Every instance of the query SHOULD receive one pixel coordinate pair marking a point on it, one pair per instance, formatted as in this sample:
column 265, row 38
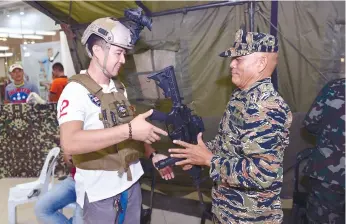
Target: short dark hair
column 58, row 66
column 95, row 40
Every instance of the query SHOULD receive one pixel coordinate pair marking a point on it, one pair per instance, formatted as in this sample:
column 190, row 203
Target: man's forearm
column 85, row 141
column 246, row 172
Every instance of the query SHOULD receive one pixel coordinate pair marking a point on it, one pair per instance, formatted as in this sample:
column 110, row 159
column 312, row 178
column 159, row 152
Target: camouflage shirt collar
column 254, row 86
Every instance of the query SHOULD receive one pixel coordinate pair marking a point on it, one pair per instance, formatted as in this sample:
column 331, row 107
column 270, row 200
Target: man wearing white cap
column 19, row 90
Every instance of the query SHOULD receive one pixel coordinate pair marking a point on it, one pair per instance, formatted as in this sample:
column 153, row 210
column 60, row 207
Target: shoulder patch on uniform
column 94, row 99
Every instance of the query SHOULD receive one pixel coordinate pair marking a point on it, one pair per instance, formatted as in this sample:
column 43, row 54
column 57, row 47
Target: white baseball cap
column 14, row 66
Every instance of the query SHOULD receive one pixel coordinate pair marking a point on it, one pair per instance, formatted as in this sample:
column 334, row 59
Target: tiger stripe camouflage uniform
column 247, row 166
column 248, row 155
column 326, row 165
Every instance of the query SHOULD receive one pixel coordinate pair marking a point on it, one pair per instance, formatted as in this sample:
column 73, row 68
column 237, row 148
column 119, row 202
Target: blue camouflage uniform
column 326, row 165
column 247, row 166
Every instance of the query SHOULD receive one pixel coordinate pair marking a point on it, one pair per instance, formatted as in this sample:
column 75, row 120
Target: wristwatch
column 152, row 155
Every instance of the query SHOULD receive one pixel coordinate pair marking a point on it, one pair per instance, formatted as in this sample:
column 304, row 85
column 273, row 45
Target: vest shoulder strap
column 88, row 83
column 92, row 86
column 119, row 85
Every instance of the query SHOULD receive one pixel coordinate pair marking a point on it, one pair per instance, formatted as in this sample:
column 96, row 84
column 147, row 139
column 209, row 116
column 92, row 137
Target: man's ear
column 262, row 63
column 96, row 50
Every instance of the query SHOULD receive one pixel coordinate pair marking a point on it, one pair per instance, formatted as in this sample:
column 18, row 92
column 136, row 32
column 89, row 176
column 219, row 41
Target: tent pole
column 251, row 9
column 181, row 10
column 199, row 7
column 274, row 21
column 69, row 13
column 145, row 9
column 74, row 41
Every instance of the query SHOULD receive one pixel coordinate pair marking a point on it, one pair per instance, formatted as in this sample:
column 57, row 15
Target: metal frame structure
column 175, row 11
column 273, row 21
column 251, row 11
column 199, row 7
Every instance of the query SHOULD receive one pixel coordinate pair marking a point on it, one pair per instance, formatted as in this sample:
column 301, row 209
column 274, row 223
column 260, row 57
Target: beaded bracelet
column 130, row 130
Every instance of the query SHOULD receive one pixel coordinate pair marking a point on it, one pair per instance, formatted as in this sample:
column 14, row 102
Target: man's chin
column 235, row 80
column 114, row 74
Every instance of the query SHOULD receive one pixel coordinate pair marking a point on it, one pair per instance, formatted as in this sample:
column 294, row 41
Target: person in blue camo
column 326, row 164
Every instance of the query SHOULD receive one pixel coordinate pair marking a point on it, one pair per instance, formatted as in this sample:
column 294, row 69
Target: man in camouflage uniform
column 246, row 156
column 326, row 165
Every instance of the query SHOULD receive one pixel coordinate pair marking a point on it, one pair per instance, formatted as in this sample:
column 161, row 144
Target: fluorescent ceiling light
column 48, row 33
column 27, row 54
column 16, row 36
column 4, row 48
column 16, row 31
column 26, row 31
column 35, row 37
column 8, row 54
column 21, row 11
column 5, row 30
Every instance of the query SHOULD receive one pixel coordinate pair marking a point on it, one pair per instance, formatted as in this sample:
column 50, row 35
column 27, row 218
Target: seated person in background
column 19, row 90
column 62, row 194
column 326, row 165
column 59, row 82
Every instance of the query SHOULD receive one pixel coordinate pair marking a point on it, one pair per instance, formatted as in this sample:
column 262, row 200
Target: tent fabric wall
column 198, row 34
column 309, row 26
column 201, row 35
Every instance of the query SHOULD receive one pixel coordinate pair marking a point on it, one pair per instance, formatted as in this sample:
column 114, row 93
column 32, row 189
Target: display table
column 27, row 133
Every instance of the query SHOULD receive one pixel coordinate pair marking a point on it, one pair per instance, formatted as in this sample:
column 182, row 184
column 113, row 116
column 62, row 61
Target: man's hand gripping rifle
column 180, row 123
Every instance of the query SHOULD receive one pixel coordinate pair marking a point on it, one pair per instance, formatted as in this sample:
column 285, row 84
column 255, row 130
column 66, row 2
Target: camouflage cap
column 250, row 42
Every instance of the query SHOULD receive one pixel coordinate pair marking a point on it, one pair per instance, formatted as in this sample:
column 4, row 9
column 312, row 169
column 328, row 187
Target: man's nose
column 232, row 64
column 122, row 59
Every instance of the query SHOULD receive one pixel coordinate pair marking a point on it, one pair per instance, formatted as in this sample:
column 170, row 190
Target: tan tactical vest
column 115, row 110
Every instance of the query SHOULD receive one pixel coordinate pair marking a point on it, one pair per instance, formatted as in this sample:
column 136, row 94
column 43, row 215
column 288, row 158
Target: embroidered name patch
column 94, row 99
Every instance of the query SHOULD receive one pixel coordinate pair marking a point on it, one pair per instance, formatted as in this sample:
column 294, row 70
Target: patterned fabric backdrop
column 27, row 133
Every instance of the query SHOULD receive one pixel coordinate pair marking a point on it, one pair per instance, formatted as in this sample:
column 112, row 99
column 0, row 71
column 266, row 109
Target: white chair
column 19, row 194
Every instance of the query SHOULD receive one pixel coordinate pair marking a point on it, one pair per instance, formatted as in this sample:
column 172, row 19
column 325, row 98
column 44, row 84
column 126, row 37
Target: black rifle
column 181, row 124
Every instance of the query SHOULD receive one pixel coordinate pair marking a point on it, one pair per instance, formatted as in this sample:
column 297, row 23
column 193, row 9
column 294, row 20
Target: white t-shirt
column 77, row 104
